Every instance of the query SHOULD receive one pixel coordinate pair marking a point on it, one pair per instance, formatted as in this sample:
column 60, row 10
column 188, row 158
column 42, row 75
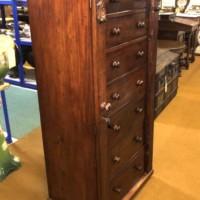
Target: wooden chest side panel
column 64, row 76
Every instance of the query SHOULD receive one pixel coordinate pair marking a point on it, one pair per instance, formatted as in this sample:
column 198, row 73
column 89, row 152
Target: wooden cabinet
column 95, row 73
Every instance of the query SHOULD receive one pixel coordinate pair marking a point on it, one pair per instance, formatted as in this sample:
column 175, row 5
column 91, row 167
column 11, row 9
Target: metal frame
column 6, row 118
column 14, row 3
column 21, row 82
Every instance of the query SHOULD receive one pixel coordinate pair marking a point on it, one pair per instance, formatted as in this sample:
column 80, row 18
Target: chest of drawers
column 95, row 73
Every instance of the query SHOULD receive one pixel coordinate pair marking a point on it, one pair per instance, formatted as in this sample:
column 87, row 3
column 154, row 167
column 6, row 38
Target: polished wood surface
column 125, row 28
column 128, row 88
column 124, row 59
column 87, row 108
column 128, row 176
column 113, row 6
column 131, row 126
column 64, row 76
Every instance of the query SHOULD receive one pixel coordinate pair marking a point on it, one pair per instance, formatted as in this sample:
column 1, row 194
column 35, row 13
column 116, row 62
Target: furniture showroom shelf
column 24, row 79
column 9, row 2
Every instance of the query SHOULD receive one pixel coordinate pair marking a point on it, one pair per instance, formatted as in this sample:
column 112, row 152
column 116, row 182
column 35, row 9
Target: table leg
column 194, row 35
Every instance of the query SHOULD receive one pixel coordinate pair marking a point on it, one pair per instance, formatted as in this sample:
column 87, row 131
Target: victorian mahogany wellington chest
column 95, row 70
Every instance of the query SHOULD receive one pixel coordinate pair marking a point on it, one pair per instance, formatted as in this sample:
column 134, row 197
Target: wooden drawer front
column 127, row 89
column 122, row 5
column 126, row 59
column 121, row 153
column 125, row 28
column 128, row 120
column 125, row 180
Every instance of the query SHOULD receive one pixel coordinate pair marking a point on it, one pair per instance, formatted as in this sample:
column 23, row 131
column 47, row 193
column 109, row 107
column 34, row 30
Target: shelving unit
column 22, row 81
column 6, row 118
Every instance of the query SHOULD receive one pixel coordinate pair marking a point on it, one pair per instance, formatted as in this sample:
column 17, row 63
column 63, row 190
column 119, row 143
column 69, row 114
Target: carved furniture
column 95, row 73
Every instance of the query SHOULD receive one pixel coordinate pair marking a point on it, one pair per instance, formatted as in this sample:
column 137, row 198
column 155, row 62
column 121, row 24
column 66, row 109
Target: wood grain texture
column 61, row 33
column 152, row 49
column 73, row 49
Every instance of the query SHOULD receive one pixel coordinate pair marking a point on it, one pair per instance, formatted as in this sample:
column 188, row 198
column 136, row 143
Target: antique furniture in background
column 167, row 73
column 170, row 28
column 95, row 69
column 176, row 47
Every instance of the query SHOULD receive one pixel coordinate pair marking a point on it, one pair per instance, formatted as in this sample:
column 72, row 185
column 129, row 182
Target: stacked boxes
column 167, row 73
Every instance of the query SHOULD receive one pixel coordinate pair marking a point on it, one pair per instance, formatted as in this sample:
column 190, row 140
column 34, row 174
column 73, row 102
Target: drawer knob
column 140, row 82
column 138, row 139
column 117, row 190
column 141, row 24
column 139, row 109
column 116, row 64
column 116, row 96
column 140, row 53
column 116, row 127
column 105, row 106
column 113, row 127
column 116, row 31
column 138, row 167
column 116, row 159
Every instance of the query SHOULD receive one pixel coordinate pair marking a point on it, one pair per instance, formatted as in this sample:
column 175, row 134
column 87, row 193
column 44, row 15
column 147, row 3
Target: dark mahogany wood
column 75, row 43
column 127, row 88
column 125, row 59
column 113, row 6
column 130, row 174
column 125, row 28
column 129, row 127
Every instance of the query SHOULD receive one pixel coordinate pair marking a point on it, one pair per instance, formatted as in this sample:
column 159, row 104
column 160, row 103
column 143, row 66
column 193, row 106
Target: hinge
column 90, row 3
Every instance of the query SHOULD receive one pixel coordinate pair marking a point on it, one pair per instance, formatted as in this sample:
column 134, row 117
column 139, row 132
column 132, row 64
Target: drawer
column 125, row 28
column 126, row 148
column 121, row 184
column 118, row 5
column 126, row 59
column 128, row 120
column 127, row 88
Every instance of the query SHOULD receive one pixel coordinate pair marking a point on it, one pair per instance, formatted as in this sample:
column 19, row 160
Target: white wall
column 172, row 2
column 195, row 2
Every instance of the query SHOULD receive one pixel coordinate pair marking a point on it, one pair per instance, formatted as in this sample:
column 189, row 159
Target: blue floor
column 23, row 111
